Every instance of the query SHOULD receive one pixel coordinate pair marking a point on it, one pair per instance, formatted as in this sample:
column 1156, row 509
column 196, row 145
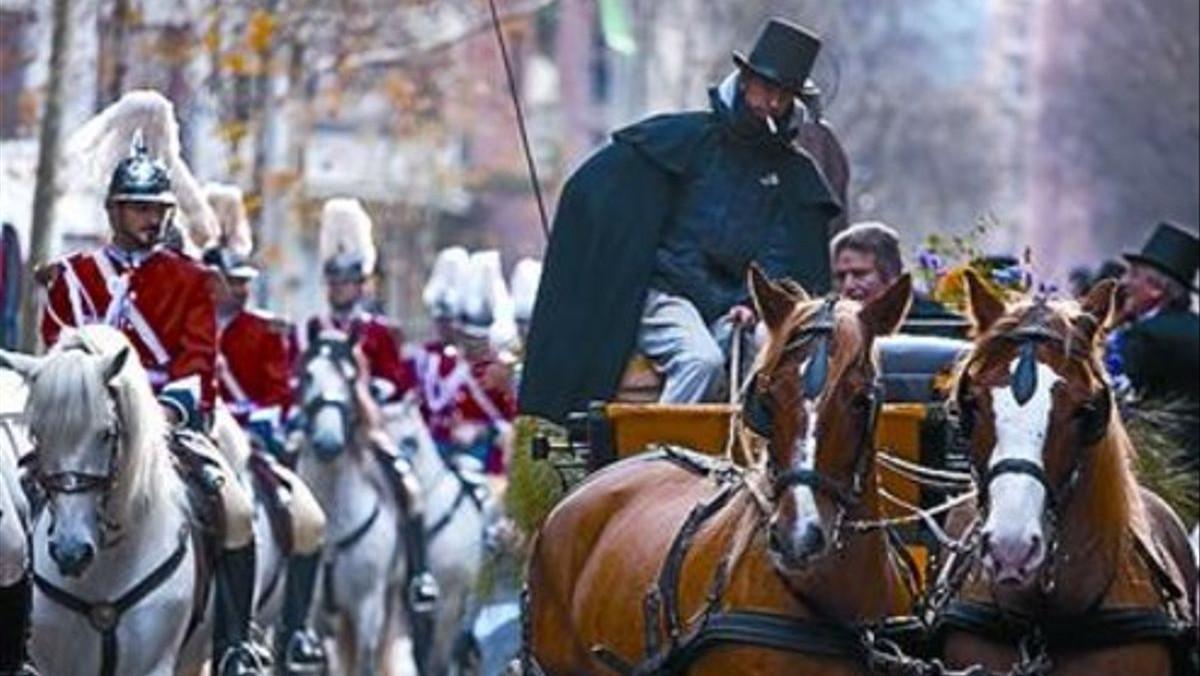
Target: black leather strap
column 1019, row 466
column 1095, row 630
column 776, row 632
column 105, row 616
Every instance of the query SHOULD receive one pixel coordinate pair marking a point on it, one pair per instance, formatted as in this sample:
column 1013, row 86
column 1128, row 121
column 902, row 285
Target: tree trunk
column 112, row 61
column 46, row 191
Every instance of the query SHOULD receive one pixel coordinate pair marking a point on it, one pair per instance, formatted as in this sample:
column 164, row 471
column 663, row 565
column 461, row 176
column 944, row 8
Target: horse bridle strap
column 105, row 616
column 1019, row 466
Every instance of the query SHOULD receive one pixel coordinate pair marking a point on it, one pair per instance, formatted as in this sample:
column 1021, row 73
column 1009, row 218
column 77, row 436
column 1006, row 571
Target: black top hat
column 784, row 54
column 1173, row 251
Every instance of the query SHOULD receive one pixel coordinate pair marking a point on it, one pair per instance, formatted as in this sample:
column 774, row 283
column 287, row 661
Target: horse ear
column 773, row 303
column 25, row 365
column 883, row 314
column 794, row 288
column 984, row 305
column 113, row 365
column 1100, row 304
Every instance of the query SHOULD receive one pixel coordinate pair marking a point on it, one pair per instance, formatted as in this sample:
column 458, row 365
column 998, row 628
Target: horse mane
column 67, row 400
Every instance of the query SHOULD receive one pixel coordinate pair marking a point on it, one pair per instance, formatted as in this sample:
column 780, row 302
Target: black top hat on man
column 1172, row 251
column 783, row 54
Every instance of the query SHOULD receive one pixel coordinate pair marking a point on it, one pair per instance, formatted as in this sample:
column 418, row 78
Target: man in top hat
column 253, row 374
column 655, row 232
column 348, row 255
column 1159, row 346
column 163, row 303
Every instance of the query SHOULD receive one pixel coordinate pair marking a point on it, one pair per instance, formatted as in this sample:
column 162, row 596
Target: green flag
column 614, row 21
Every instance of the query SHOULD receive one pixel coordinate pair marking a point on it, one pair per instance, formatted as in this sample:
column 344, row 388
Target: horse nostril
column 1035, row 548
column 85, row 556
column 813, row 539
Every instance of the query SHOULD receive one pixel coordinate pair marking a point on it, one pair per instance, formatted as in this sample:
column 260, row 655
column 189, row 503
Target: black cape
column 610, row 218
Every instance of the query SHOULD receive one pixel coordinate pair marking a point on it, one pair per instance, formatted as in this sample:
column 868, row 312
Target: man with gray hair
column 866, row 260
column 1161, row 345
column 1157, row 353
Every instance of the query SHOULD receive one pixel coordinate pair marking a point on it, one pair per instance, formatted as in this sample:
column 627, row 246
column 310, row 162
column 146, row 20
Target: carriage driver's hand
column 742, row 315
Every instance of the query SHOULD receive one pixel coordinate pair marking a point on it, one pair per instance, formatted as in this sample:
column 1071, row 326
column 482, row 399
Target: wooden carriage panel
column 702, row 427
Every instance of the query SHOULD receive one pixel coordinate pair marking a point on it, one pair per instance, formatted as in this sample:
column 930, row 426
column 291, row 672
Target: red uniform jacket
column 162, row 302
column 254, row 367
column 457, row 392
column 382, row 347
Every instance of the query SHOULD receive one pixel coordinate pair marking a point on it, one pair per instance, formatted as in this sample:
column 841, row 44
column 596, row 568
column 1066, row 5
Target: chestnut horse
column 1075, row 570
column 672, row 562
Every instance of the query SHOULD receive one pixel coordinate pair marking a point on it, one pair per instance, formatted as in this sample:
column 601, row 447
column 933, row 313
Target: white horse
column 14, row 522
column 114, row 561
column 364, row 562
column 14, row 509
column 454, row 528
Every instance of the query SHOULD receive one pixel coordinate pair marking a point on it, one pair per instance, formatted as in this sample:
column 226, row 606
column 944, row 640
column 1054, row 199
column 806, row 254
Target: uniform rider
column 348, row 260
column 253, row 373
column 163, row 303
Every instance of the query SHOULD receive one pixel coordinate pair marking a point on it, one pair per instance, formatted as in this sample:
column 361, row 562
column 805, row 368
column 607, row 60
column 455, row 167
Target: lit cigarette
column 771, row 126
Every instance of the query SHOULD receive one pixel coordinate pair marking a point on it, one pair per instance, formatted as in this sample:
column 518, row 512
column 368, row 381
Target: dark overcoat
column 610, row 218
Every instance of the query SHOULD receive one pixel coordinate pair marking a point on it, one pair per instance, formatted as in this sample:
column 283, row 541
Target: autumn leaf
column 259, row 31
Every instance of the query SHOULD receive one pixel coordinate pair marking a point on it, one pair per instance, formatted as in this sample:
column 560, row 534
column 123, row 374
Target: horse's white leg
column 368, row 621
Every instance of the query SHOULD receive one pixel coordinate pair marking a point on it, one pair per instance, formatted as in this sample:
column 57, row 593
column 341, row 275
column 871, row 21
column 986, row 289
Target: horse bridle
column 339, row 353
column 1093, row 422
column 758, row 416
column 70, row 482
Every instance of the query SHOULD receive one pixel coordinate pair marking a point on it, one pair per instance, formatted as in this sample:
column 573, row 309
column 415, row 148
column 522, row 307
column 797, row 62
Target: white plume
column 486, row 292
column 227, row 203
column 103, row 141
column 346, row 230
column 524, row 285
column 444, row 288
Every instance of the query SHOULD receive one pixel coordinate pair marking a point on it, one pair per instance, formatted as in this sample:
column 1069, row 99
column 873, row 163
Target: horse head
column 96, row 429
column 331, row 398
column 815, row 398
column 1033, row 402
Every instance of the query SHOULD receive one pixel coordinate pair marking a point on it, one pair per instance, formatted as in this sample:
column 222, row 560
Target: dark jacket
column 1162, row 355
column 611, row 218
column 738, row 205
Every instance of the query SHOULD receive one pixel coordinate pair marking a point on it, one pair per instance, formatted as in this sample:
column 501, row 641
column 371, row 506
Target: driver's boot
column 299, row 647
column 16, row 603
column 234, row 651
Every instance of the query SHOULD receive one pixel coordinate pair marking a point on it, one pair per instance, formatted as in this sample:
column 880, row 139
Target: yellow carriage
column 914, row 425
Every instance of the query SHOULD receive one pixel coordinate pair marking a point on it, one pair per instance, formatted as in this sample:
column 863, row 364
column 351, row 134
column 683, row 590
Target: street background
column 1068, row 126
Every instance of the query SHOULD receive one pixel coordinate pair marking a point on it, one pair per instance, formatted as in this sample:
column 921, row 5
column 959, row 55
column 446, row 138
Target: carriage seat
column 917, row 369
column 641, row 382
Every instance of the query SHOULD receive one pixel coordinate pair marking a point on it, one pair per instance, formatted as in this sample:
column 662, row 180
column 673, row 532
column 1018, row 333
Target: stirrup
column 423, row 593
column 244, row 659
column 304, row 654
